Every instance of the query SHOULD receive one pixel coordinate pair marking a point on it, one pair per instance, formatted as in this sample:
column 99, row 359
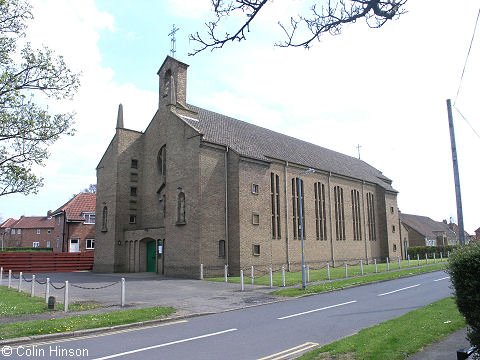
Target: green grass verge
column 397, row 338
column 80, row 322
column 294, row 278
column 355, row 281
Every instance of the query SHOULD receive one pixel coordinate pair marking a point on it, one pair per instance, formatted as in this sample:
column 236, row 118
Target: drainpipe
column 227, row 244
column 287, row 241
column 63, row 229
column 364, row 221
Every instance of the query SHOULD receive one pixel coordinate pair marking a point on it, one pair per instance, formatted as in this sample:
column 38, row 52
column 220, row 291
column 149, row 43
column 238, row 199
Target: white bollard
column 271, row 278
column 283, row 276
column 201, row 271
column 65, row 297
column 388, row 264
column 328, row 271
column 426, row 259
column 9, row 279
column 361, row 266
column 225, row 273
column 441, row 257
column 418, row 259
column 47, row 290
column 408, row 258
column 33, row 285
column 252, row 275
column 20, row 281
column 434, row 258
column 122, row 296
column 376, row 266
column 346, row 270
column 308, row 273
column 1, row 275
column 399, row 265
column 242, row 285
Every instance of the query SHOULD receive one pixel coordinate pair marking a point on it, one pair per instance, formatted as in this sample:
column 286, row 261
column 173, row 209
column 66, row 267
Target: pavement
column 189, row 297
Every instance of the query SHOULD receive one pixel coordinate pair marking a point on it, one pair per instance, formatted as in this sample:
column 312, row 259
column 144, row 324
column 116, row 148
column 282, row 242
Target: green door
column 151, row 256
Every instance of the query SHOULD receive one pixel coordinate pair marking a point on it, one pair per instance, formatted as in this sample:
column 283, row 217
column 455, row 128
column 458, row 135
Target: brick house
column 75, row 223
column 28, row 232
column 197, row 187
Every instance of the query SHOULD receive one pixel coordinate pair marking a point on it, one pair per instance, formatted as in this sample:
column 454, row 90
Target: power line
column 466, row 58
column 464, row 118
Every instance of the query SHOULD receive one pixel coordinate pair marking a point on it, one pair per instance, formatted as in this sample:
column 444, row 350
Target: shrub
column 430, row 250
column 464, row 270
column 26, row 249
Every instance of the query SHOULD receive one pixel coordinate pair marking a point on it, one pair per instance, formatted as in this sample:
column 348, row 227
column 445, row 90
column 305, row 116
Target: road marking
column 107, row 333
column 315, row 310
column 444, row 278
column 394, row 291
column 165, row 344
column 292, row 351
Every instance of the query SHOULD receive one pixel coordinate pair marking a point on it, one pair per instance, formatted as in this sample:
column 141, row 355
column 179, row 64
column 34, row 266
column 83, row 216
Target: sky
column 383, row 89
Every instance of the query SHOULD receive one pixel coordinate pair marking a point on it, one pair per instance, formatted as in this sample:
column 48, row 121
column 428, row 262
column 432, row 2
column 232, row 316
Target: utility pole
column 461, row 235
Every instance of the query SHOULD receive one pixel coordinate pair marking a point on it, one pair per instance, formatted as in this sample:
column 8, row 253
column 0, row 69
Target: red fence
column 37, row 262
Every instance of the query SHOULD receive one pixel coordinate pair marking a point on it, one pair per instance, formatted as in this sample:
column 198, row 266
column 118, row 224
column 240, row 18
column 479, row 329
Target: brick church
column 197, row 187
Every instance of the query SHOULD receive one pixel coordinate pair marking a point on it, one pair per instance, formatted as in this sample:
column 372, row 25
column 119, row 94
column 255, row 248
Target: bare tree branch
column 329, row 17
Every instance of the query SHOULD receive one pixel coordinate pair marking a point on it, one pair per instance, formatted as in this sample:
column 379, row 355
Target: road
column 262, row 332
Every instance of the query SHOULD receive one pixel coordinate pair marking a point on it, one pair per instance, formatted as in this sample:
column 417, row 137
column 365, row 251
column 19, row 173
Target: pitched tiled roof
column 259, row 143
column 81, row 203
column 424, row 225
column 8, row 223
column 34, row 222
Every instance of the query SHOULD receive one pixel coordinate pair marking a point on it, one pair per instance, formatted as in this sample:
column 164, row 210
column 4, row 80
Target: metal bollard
column 122, row 296
column 283, row 276
column 441, row 257
column 408, row 258
column 242, row 285
column 361, row 266
column 65, row 297
column 399, row 265
column 201, row 271
column 9, row 279
column 252, row 275
column 20, row 281
column 271, row 278
column 328, row 271
column 418, row 259
column 376, row 266
column 346, row 270
column 47, row 290
column 388, row 264
column 426, row 259
column 225, row 271
column 434, row 258
column 33, row 286
column 308, row 273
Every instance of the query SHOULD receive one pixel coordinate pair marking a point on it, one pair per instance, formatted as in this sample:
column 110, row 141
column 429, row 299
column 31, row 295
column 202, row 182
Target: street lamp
column 302, row 240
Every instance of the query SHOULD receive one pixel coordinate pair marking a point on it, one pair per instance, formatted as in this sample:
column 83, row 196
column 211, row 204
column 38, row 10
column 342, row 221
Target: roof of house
column 76, row 207
column 8, row 223
column 424, row 225
column 34, row 222
column 263, row 144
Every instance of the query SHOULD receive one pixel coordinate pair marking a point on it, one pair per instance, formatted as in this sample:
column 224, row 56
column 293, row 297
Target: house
column 423, row 231
column 29, row 232
column 197, row 187
column 75, row 223
column 477, row 234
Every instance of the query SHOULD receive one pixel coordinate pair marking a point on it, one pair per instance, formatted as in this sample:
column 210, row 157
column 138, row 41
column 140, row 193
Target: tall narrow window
column 357, row 227
column 221, row 248
column 298, row 208
column 162, row 160
column 275, row 203
column 181, row 208
column 104, row 218
column 320, row 211
column 372, row 235
column 339, row 213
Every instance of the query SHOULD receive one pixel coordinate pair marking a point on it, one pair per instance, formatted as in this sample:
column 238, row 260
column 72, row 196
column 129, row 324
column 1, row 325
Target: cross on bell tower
column 173, row 41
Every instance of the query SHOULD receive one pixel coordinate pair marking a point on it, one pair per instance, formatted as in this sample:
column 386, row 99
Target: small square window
column 134, row 164
column 36, row 244
column 393, row 228
column 38, row 231
column 394, row 247
column 90, row 244
column 255, row 189
column 19, row 231
column 133, row 219
column 256, row 250
column 391, row 209
column 133, row 191
column 255, row 219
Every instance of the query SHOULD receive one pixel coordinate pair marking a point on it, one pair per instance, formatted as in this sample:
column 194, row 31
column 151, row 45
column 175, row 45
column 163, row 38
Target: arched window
column 104, row 218
column 162, row 160
column 181, row 207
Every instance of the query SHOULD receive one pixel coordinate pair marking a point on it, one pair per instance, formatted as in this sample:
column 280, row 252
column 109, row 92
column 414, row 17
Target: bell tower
column 172, row 83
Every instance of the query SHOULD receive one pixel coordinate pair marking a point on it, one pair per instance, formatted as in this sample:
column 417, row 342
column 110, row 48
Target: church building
column 197, row 187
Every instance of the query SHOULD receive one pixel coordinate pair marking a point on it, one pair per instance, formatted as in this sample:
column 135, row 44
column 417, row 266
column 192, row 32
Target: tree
column 92, row 188
column 28, row 77
column 329, row 17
